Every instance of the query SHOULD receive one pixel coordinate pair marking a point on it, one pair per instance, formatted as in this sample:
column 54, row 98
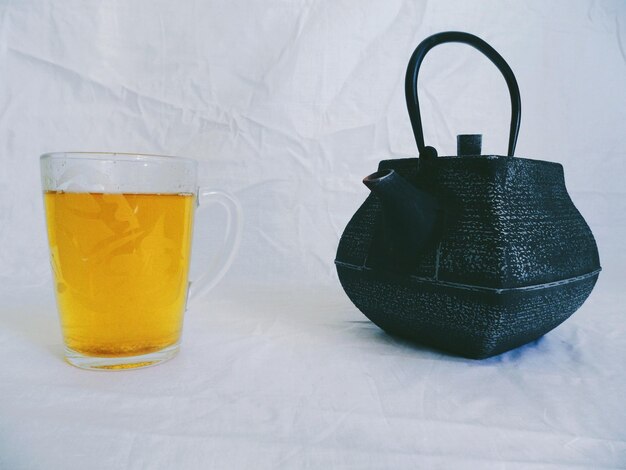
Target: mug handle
column 230, row 244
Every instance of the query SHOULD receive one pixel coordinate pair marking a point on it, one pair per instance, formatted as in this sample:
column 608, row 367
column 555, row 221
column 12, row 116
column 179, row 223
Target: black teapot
column 473, row 254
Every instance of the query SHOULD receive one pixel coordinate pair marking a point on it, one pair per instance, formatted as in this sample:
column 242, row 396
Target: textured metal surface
column 514, row 258
column 471, row 323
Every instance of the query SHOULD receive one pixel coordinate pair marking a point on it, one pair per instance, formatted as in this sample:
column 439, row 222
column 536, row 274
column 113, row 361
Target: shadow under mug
column 120, row 229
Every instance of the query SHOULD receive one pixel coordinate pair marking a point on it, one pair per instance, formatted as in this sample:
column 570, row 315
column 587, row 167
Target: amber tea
column 120, row 264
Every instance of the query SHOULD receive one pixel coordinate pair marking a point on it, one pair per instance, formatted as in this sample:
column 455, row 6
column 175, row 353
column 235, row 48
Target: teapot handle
column 410, row 84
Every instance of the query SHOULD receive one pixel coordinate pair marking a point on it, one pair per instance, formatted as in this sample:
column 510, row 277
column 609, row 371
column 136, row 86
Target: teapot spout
column 410, row 216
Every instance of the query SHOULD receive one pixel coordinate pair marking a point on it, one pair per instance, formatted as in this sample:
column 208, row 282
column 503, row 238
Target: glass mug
column 119, row 230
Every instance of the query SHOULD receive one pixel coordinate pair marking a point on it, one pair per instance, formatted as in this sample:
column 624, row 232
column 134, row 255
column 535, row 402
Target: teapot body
column 475, row 254
column 511, row 258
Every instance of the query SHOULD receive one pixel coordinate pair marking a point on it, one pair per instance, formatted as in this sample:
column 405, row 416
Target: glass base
column 120, row 363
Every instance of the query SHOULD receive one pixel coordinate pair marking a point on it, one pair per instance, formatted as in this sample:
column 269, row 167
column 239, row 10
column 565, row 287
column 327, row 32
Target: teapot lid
column 466, row 144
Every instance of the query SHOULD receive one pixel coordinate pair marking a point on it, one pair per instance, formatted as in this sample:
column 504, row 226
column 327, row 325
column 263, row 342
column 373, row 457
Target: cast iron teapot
column 473, row 254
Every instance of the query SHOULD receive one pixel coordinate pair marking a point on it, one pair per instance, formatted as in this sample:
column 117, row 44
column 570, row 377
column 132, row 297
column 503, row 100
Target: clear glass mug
column 120, row 229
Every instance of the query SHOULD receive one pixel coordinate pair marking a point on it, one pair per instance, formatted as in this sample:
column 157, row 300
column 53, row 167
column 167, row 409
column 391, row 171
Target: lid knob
column 468, row 144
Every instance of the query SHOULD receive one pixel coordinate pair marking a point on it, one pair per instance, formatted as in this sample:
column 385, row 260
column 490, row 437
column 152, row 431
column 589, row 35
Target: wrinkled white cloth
column 289, row 105
column 281, row 378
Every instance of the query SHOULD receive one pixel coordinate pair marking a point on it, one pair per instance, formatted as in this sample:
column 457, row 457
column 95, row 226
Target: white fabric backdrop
column 288, row 104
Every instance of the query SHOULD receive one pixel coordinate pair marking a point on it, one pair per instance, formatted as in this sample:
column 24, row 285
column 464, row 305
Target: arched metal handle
column 410, row 83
